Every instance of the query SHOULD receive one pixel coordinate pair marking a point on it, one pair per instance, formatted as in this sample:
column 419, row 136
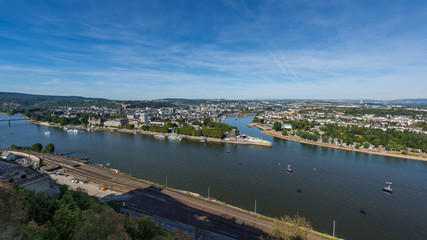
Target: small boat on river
column 72, row 131
column 175, row 138
column 387, row 189
column 159, row 137
column 289, row 169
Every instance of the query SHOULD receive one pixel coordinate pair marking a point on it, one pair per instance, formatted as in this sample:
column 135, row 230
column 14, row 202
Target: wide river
column 327, row 184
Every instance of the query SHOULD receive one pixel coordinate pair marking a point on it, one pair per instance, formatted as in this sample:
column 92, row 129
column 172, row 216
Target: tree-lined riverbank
column 258, row 142
column 278, row 134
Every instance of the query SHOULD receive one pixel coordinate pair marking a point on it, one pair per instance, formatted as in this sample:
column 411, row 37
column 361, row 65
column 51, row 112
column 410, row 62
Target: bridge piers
column 9, row 121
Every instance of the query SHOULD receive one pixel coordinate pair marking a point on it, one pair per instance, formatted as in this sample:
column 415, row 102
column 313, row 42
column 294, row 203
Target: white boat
column 47, row 133
column 159, row 137
column 72, row 131
column 388, row 188
column 175, row 138
column 289, row 170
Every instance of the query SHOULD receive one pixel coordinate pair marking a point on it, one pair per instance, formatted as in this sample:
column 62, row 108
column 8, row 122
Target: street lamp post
column 109, row 178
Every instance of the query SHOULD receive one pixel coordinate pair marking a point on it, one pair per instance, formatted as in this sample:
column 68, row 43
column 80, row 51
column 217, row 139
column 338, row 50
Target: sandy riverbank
column 421, row 156
column 135, row 131
column 260, row 126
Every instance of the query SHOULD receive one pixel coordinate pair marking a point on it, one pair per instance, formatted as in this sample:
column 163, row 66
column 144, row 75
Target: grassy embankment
column 267, row 130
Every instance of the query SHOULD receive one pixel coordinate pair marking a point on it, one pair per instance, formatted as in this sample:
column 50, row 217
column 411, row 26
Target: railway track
column 237, row 218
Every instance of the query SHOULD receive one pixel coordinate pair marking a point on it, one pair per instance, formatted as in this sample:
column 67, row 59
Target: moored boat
column 175, row 138
column 72, row 131
column 159, row 137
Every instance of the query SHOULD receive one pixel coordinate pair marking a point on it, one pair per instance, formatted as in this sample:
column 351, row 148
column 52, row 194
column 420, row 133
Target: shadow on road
column 152, row 201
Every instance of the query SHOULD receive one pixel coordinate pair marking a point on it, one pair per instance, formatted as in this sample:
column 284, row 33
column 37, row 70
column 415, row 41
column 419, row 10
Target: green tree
column 206, row 121
column 129, row 126
column 142, row 228
column 325, row 139
column 285, row 132
column 49, row 148
column 64, row 222
column 277, row 126
column 13, row 213
column 36, row 147
column 41, row 208
column 115, row 204
column 101, row 222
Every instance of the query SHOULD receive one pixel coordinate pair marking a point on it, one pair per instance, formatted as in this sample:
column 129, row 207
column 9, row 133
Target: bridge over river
column 15, row 119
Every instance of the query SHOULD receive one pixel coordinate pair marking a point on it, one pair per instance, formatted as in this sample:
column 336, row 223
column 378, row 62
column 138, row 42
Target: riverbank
column 260, row 126
column 421, row 156
column 247, row 141
column 164, row 201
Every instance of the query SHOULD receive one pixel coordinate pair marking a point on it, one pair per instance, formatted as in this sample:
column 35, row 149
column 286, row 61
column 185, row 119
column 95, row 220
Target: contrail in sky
column 287, row 67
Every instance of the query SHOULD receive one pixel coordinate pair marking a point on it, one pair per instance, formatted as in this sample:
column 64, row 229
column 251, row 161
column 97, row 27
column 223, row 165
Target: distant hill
column 22, row 100
column 409, row 101
column 31, row 100
column 415, row 101
column 421, row 101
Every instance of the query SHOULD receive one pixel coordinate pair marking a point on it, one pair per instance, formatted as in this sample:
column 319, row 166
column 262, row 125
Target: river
column 345, row 186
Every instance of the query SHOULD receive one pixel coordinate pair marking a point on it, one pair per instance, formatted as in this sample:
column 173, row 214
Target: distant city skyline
column 141, row 50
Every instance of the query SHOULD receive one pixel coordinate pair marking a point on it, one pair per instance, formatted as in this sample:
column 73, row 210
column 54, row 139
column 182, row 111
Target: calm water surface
column 346, row 186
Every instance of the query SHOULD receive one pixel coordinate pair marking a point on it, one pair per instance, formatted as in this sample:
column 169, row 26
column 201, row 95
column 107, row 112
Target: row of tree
column 54, row 117
column 208, row 129
column 48, row 116
column 258, row 120
column 391, row 139
column 153, row 128
column 208, row 132
column 71, row 215
column 49, row 148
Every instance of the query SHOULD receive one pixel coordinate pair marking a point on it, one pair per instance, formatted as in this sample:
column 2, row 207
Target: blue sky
column 215, row 49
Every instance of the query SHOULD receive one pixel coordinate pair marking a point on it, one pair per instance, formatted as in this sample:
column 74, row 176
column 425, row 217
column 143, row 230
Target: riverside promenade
column 247, row 141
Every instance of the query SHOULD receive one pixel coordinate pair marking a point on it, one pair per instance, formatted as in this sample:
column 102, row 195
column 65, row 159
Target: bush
column 115, row 204
column 71, row 215
column 289, row 228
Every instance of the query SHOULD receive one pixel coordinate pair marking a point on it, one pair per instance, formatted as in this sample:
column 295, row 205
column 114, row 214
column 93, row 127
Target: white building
column 144, row 118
